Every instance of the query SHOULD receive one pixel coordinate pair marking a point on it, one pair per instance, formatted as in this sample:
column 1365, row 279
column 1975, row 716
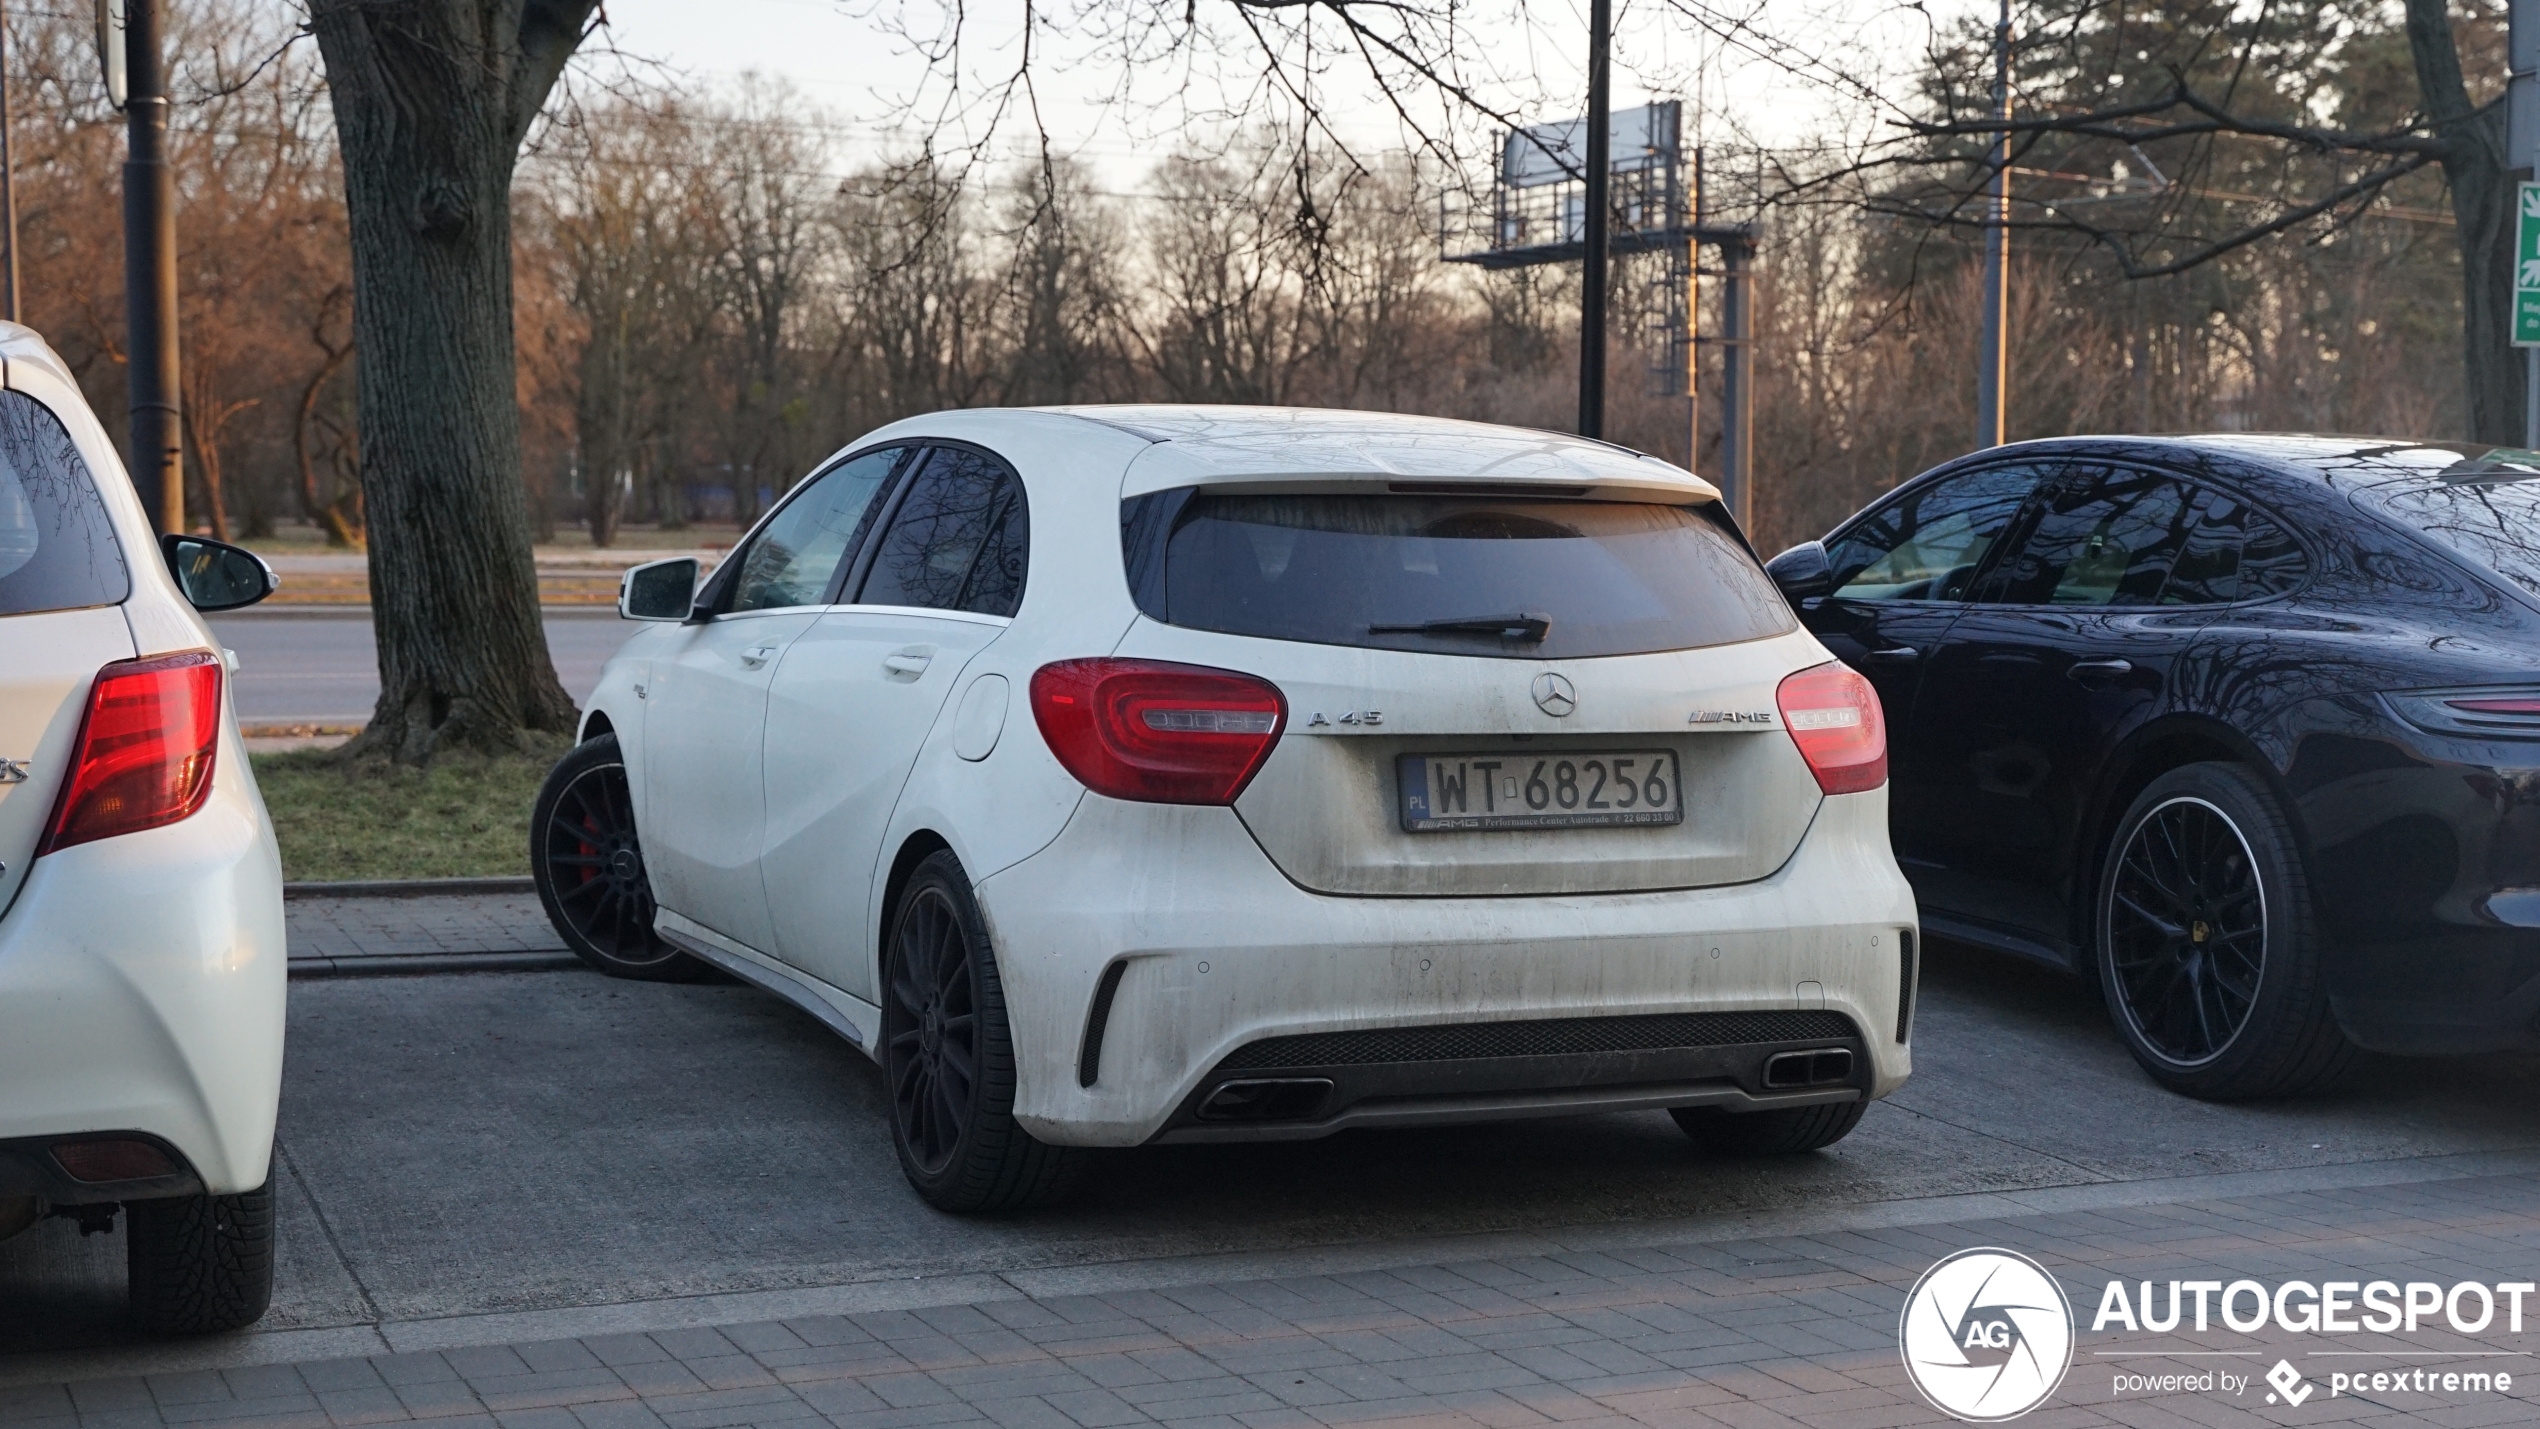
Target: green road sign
column 2527, row 267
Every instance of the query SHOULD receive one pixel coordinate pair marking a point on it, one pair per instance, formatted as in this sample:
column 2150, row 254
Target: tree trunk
column 432, row 99
column 2483, row 207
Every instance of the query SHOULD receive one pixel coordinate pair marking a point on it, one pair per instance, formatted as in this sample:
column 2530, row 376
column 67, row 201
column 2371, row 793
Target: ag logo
column 1986, row 1335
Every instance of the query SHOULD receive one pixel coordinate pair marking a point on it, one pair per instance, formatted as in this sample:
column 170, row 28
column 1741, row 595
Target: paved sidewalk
column 472, row 932
column 1754, row 1333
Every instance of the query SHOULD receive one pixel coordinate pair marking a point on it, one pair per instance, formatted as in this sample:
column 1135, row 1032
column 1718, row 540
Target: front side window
column 2106, row 535
column 795, row 555
column 959, row 540
column 1520, row 577
column 57, row 546
column 1929, row 544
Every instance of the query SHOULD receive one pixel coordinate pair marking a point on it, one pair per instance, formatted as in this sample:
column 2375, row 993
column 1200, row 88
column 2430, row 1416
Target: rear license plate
column 1443, row 792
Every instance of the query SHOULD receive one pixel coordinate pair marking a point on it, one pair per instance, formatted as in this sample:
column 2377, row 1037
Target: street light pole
column 1991, row 356
column 149, row 273
column 1592, row 269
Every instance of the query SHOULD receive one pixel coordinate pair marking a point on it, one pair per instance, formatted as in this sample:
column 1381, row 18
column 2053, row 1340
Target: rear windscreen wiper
column 1525, row 628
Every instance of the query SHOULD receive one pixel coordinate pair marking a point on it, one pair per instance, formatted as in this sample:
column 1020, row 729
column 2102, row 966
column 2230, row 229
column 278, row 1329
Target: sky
column 858, row 62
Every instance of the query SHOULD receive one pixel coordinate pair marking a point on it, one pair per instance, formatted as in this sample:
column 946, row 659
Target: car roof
column 1209, row 445
column 2343, row 462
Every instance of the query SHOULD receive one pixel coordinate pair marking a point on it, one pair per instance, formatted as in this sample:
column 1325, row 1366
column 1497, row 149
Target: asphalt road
column 320, row 667
column 461, row 1145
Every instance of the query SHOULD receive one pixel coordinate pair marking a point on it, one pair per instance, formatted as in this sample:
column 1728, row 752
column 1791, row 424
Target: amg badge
column 1731, row 717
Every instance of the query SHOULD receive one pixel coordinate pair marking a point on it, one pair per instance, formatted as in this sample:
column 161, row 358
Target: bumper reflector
column 112, row 1159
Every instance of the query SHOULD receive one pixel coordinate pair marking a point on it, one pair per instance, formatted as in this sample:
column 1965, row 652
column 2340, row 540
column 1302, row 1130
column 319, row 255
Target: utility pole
column 1600, row 163
column 149, row 275
column 1991, row 358
column 1737, row 377
column 8, row 188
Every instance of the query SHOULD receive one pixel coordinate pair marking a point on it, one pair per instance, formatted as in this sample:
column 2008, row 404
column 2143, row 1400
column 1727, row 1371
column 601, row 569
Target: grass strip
column 464, row 816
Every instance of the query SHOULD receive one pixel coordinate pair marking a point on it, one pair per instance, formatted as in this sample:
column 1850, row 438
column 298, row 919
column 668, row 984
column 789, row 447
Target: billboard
column 1641, row 138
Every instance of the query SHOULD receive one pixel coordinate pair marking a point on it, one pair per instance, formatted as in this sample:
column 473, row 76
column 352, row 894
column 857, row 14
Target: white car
column 1187, row 774
column 141, row 955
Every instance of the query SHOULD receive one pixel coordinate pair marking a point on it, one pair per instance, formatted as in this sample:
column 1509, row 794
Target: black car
column 2246, row 727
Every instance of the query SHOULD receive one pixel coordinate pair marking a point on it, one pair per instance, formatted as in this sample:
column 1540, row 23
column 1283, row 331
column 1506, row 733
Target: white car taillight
column 1833, row 716
column 144, row 756
column 1155, row 732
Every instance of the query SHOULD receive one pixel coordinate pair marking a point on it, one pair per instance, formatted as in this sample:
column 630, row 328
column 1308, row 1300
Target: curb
column 420, row 964
column 409, row 887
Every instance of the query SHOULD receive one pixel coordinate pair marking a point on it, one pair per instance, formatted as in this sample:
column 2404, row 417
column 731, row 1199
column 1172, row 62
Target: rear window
column 1515, row 577
column 57, row 548
column 2485, row 510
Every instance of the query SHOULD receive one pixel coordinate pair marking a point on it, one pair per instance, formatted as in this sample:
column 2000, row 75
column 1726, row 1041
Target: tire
column 2208, row 942
column 949, row 1056
column 199, row 1265
column 1786, row 1131
column 589, row 867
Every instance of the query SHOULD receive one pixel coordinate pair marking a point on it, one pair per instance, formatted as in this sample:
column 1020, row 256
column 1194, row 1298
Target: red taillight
column 1157, row 733
column 1833, row 716
column 144, row 756
column 2516, row 706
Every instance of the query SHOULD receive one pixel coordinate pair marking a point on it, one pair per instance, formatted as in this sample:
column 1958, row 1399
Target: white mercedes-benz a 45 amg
column 1186, row 774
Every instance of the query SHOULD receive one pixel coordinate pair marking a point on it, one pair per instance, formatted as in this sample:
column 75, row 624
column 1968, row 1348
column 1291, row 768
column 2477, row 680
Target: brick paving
column 442, row 932
column 1724, row 1334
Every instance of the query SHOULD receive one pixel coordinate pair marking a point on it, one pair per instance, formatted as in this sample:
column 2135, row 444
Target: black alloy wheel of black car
column 2208, row 942
column 949, row 1057
column 2187, row 931
column 589, row 867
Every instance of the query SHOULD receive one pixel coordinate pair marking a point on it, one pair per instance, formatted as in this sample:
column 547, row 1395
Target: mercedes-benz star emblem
column 1555, row 695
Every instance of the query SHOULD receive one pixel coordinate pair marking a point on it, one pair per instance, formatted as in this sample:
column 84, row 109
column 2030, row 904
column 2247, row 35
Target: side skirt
column 840, row 1012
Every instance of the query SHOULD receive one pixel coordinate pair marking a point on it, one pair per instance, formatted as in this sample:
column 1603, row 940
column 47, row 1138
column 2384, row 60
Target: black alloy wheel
column 2208, row 946
column 949, row 1056
column 589, row 867
column 2187, row 931
column 934, row 1050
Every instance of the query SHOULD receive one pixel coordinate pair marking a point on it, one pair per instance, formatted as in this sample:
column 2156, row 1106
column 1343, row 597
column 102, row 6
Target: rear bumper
column 2427, row 870
column 142, row 991
column 1217, row 952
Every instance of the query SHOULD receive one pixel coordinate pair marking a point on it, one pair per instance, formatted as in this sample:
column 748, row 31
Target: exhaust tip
column 1267, row 1099
column 1823, row 1067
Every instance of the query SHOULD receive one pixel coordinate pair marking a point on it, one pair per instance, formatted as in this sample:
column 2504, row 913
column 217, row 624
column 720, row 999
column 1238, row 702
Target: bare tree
column 432, row 100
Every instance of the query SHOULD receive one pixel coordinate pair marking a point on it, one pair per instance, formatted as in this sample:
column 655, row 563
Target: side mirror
column 658, row 590
column 216, row 575
column 1802, row 572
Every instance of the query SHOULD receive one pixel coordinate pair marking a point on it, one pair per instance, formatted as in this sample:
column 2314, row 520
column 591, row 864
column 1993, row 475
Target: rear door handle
column 756, row 656
column 904, row 663
column 2097, row 672
column 1893, row 655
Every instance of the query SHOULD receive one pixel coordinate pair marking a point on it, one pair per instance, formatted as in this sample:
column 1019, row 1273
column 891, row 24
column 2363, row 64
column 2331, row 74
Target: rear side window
column 2233, row 554
column 959, row 541
column 1516, row 577
column 57, row 548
